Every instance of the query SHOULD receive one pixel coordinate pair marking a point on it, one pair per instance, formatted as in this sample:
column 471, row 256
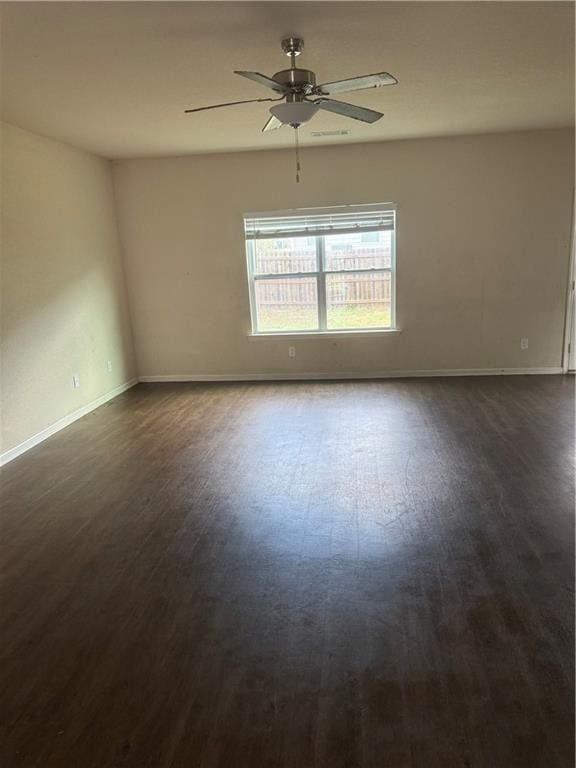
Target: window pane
column 287, row 304
column 358, row 300
column 283, row 256
column 359, row 250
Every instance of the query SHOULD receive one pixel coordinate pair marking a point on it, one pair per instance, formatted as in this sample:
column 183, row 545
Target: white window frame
column 321, row 273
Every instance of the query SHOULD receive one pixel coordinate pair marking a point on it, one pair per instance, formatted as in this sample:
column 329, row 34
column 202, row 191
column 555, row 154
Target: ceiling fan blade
column 262, row 80
column 229, row 104
column 349, row 110
column 272, row 125
column 376, row 80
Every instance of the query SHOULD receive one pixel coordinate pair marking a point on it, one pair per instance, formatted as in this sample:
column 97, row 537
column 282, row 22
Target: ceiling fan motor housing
column 297, row 80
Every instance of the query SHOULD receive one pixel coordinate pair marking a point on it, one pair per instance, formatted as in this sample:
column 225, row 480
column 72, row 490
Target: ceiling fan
column 302, row 98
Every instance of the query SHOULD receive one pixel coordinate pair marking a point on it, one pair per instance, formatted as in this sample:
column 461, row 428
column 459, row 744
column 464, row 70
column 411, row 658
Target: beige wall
column 483, row 239
column 63, row 309
column 483, row 236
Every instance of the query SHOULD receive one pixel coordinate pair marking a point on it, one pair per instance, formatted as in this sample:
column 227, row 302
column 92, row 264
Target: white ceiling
column 114, row 78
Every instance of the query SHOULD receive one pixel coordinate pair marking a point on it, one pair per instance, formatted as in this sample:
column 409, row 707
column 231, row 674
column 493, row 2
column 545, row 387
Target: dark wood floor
column 306, row 575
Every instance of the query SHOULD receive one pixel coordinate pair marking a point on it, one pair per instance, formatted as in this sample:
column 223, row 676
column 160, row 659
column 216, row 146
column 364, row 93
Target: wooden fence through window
column 340, row 290
column 355, row 288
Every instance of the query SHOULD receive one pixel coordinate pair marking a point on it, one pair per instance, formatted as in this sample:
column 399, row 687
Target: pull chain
column 297, row 148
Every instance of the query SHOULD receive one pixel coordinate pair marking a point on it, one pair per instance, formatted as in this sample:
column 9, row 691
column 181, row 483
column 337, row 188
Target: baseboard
column 18, row 450
column 313, row 376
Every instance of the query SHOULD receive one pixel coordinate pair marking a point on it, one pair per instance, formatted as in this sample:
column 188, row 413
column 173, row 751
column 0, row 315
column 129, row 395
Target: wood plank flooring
column 297, row 575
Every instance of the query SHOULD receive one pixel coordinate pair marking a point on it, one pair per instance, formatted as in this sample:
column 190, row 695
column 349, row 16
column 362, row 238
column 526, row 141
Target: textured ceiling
column 114, row 78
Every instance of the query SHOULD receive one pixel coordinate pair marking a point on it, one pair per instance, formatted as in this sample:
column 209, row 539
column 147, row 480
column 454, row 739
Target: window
column 322, row 270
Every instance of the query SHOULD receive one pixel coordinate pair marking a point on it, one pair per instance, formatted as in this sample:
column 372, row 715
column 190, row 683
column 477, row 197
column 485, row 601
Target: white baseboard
column 344, row 375
column 18, row 450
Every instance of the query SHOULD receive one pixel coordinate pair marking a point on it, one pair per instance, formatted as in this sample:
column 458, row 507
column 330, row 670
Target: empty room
column 287, row 385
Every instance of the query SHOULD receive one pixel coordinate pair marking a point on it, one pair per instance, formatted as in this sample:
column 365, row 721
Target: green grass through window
column 343, row 317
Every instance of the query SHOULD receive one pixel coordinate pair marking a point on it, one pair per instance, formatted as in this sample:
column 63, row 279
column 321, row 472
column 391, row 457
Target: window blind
column 319, row 221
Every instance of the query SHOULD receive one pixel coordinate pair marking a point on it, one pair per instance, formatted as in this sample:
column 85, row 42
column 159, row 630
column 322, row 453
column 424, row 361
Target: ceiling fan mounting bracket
column 292, row 46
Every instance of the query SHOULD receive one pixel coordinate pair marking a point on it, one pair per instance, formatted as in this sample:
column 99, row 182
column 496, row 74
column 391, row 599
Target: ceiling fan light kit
column 294, row 113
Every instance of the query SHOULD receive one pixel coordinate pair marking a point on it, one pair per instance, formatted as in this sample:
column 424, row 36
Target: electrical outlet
column 291, row 351
column 523, row 343
column 109, row 366
column 75, row 381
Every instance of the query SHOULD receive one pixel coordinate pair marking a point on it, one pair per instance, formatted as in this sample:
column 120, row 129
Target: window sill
column 365, row 333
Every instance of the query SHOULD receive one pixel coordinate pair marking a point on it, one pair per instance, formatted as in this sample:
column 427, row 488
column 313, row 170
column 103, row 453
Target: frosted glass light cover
column 295, row 113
